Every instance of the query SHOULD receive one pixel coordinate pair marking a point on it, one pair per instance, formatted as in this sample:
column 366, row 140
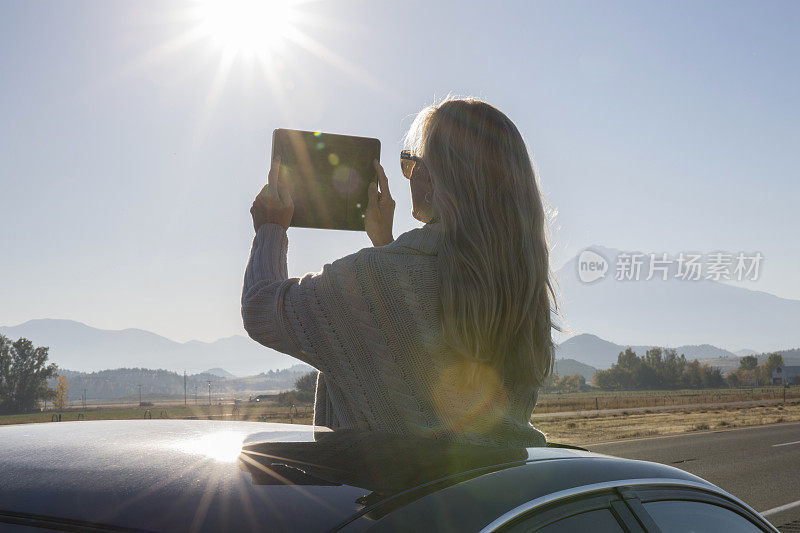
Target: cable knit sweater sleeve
column 272, row 302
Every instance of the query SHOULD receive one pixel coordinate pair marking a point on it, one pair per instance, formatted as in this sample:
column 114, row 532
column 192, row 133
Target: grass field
column 583, row 427
column 591, row 428
column 594, row 400
column 226, row 411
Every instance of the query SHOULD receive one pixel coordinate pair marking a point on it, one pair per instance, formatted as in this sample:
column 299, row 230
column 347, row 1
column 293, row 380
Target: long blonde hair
column 493, row 256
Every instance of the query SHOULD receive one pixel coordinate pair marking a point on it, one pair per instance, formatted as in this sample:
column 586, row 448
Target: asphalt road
column 760, row 465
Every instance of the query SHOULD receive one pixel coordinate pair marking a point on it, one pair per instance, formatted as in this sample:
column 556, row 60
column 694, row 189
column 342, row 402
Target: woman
column 444, row 332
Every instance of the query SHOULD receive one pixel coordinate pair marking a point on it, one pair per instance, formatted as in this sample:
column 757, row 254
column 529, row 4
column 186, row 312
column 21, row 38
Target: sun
column 253, row 41
column 246, row 26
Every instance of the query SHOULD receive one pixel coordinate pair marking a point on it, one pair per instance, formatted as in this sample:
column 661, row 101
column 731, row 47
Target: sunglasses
column 408, row 162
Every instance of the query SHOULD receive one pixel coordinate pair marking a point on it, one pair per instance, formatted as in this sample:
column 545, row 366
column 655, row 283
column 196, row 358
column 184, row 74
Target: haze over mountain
column 219, row 372
column 600, row 353
column 675, row 312
column 76, row 346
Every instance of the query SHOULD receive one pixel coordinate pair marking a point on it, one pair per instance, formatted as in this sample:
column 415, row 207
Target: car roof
column 180, row 474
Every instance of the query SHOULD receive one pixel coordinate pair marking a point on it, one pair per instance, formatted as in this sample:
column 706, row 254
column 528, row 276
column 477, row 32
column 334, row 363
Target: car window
column 586, row 514
column 599, row 521
column 697, row 517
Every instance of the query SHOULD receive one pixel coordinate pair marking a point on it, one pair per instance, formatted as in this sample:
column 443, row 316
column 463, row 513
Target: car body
column 195, row 475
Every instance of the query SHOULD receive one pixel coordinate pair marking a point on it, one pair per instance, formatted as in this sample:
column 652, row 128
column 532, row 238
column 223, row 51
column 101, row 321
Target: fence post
column 596, row 404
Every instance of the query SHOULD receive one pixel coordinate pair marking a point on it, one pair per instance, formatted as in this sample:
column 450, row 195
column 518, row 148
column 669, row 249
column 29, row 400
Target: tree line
column 123, row 382
column 658, row 368
column 662, row 368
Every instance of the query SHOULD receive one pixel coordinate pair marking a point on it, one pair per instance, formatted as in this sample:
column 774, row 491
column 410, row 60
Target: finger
column 284, row 191
column 272, row 177
column 372, row 192
column 382, row 180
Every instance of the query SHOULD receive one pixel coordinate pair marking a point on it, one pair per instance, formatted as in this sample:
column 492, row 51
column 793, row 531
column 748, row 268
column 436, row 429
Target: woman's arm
column 293, row 315
column 265, row 306
column 264, row 309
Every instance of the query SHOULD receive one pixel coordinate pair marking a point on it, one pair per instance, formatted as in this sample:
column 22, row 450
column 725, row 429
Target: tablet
column 328, row 176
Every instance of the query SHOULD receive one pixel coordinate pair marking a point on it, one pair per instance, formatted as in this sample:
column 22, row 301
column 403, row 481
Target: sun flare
column 246, row 26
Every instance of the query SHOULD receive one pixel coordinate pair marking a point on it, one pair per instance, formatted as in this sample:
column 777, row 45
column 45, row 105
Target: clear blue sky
column 130, row 154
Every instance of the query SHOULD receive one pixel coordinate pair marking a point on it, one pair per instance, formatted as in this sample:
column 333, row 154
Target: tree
column 748, row 362
column 768, row 367
column 23, row 375
column 571, row 383
column 307, row 382
column 61, row 393
column 774, row 361
column 305, row 389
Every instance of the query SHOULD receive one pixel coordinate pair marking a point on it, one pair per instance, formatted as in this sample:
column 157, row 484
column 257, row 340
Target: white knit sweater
column 371, row 323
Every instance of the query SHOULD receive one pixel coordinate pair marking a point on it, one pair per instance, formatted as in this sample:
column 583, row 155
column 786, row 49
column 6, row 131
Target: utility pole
column 209, row 391
column 84, row 399
column 184, row 387
column 195, row 394
column 140, row 394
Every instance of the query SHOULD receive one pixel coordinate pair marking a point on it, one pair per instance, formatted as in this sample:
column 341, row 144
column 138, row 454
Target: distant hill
column 567, row 367
column 220, row 372
column 744, row 352
column 589, row 349
column 79, row 347
column 674, row 312
column 600, row 353
column 124, row 383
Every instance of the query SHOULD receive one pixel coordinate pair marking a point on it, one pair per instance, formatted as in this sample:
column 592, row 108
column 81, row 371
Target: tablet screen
column 328, row 176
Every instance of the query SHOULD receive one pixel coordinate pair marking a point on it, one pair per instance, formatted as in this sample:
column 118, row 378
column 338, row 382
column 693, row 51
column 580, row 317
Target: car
column 198, row 475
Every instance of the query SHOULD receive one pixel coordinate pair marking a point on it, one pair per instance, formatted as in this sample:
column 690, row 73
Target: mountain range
column 702, row 319
column 600, row 353
column 76, row 346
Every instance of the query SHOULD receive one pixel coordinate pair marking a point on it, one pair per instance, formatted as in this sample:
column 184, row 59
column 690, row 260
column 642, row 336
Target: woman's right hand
column 379, row 218
column 274, row 202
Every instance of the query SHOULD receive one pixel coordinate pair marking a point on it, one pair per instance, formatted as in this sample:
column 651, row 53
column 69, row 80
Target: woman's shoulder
column 416, row 245
column 418, row 241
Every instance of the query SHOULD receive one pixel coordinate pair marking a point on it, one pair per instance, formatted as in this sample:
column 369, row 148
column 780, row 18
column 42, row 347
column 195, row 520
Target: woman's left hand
column 379, row 216
column 274, row 202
